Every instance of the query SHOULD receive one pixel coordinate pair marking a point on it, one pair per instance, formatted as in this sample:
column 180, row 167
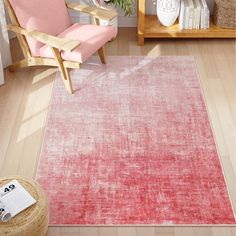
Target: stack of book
column 194, row 14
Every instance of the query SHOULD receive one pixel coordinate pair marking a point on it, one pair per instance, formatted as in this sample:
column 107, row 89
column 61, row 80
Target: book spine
column 198, row 13
column 190, row 25
column 198, row 17
column 207, row 18
column 195, row 17
column 191, row 14
column 206, row 15
column 202, row 18
column 186, row 18
column 182, row 15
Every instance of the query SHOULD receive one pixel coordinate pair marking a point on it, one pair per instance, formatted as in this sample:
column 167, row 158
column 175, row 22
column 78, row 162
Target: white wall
column 5, row 56
column 4, row 41
column 10, row 33
column 78, row 17
column 1, row 71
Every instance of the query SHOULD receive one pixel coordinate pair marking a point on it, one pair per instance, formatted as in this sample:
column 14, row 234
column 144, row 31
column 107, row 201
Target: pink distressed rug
column 133, row 145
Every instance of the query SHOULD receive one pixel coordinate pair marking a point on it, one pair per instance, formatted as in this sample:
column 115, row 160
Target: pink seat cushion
column 91, row 37
column 48, row 16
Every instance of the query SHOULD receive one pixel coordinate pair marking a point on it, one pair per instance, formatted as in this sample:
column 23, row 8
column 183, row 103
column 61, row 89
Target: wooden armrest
column 53, row 41
column 93, row 11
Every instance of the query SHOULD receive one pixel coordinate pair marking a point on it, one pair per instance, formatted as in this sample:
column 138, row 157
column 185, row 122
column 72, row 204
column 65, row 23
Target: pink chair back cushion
column 48, row 16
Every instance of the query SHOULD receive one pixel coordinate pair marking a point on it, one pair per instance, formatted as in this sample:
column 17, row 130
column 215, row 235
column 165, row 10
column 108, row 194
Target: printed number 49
column 10, row 188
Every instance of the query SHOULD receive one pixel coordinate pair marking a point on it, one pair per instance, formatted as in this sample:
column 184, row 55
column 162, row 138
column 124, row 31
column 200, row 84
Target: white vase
column 168, row 11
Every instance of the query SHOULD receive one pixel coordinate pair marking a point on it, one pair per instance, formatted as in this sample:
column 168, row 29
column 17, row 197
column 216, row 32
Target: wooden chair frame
column 54, row 42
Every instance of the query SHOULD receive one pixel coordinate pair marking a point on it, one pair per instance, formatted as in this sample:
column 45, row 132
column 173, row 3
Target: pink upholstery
column 91, row 37
column 48, row 16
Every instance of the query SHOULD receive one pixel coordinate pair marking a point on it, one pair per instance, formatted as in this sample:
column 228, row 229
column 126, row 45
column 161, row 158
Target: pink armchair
column 48, row 37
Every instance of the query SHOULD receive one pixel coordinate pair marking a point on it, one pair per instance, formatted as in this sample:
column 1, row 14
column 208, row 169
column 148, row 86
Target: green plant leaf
column 126, row 5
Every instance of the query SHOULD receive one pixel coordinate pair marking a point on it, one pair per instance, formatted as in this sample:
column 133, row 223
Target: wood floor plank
column 88, row 231
column 203, row 231
column 215, row 122
column 9, row 165
column 233, row 231
column 222, row 231
column 35, row 123
column 147, row 231
column 225, row 117
column 69, row 231
column 125, row 230
column 11, row 94
column 107, row 231
column 54, row 231
column 166, row 234
column 183, row 231
column 164, row 230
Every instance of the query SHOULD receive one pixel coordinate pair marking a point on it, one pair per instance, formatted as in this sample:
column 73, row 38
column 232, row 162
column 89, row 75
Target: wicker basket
column 225, row 14
column 34, row 220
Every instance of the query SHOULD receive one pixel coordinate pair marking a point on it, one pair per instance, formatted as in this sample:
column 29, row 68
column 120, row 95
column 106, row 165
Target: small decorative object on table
column 31, row 221
column 168, row 11
column 225, row 13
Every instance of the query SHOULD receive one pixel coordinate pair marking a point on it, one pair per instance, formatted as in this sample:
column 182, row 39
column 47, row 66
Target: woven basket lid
column 226, row 3
column 34, row 219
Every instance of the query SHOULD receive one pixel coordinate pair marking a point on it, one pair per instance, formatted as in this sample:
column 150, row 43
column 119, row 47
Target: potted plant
column 126, row 5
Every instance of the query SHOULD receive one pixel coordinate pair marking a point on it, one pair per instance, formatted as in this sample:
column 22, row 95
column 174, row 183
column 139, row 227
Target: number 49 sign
column 7, row 189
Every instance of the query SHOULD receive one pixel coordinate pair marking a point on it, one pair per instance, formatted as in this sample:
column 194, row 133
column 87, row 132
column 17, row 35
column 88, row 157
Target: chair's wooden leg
column 102, row 55
column 64, row 71
column 96, row 21
column 18, row 65
column 68, row 82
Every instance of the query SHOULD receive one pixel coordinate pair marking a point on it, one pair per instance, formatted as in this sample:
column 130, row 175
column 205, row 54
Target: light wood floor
column 24, row 103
